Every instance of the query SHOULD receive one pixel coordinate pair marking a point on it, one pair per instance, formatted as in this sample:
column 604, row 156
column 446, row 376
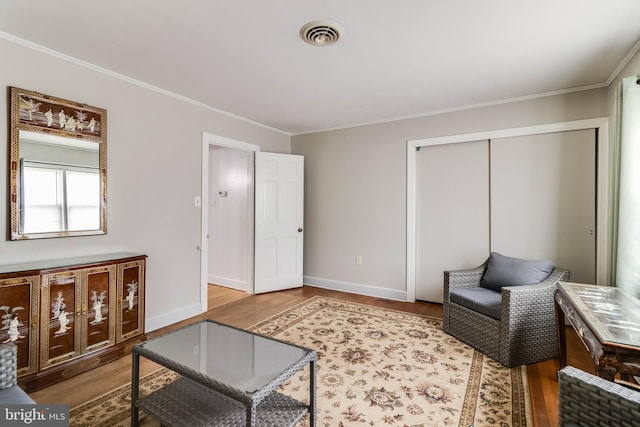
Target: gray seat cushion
column 506, row 271
column 14, row 395
column 482, row 300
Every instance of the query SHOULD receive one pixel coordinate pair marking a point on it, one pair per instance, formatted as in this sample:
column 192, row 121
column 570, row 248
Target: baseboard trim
column 356, row 288
column 228, row 282
column 157, row 322
column 165, row 319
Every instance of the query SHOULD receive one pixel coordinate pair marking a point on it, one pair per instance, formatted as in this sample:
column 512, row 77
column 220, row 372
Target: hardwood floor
column 242, row 310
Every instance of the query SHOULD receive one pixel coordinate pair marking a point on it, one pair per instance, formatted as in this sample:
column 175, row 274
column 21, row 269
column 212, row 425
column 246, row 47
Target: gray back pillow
column 506, row 271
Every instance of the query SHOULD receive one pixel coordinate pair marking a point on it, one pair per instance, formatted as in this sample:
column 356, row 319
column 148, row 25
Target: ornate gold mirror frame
column 57, row 167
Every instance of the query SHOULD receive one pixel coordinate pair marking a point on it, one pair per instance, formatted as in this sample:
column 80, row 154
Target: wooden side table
column 608, row 324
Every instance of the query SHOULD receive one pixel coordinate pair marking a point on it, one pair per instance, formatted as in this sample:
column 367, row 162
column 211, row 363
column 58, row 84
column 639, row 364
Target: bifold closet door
column 452, row 217
column 543, row 199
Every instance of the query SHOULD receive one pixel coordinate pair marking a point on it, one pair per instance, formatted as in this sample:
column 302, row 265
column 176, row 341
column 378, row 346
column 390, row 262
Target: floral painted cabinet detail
column 68, row 316
column 130, row 304
column 78, row 313
column 19, row 304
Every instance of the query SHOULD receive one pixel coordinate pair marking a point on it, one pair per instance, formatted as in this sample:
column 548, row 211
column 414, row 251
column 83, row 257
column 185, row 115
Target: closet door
column 543, row 199
column 452, row 202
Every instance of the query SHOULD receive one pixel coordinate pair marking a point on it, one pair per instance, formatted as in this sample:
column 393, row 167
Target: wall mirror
column 57, row 167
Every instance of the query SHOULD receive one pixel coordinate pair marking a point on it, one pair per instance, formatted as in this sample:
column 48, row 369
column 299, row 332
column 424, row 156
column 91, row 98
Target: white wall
column 355, row 187
column 230, row 173
column 154, row 162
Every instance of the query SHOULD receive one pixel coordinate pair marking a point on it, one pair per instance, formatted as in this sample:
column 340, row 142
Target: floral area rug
column 113, row 409
column 376, row 367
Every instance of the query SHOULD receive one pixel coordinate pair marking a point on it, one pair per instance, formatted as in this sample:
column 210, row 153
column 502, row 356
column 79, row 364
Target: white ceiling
column 397, row 59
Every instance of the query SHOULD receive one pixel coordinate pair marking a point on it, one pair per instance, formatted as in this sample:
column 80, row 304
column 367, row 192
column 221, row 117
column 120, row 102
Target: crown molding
column 47, row 51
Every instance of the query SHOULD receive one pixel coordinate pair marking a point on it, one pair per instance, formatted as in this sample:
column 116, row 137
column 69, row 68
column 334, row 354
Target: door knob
column 300, row 230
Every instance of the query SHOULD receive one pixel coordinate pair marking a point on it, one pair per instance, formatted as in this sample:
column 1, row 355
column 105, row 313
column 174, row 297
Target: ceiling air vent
column 321, row 33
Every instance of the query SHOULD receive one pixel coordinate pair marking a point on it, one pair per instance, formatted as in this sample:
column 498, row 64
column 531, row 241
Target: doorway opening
column 227, row 239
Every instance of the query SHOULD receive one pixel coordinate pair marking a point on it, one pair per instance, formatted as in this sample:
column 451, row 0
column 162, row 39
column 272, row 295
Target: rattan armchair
column 526, row 331
column 586, row 400
column 10, row 392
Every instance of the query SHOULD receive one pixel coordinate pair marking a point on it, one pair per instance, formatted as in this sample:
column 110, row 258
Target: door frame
column 601, row 125
column 208, row 140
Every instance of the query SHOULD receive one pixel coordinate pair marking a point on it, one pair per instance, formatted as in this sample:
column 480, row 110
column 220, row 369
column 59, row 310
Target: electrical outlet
column 358, row 260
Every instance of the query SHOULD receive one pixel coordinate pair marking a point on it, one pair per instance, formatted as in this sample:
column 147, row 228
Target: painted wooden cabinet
column 77, row 313
column 130, row 304
column 70, row 315
column 19, row 308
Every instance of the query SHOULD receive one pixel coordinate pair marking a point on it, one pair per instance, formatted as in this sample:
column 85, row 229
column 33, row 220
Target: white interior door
column 452, row 212
column 543, row 199
column 279, row 198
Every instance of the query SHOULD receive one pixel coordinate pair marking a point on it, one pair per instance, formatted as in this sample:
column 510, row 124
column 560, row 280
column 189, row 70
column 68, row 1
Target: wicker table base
column 187, row 403
column 228, row 377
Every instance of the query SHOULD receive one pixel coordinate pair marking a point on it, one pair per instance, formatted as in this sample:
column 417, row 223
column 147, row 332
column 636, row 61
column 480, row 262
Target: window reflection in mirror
column 60, row 182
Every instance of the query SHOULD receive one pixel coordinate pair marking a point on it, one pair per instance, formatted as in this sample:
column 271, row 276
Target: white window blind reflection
column 42, row 200
column 59, row 198
column 83, row 200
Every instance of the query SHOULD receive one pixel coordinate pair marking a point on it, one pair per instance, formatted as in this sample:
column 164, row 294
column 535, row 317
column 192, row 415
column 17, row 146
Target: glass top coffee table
column 228, row 377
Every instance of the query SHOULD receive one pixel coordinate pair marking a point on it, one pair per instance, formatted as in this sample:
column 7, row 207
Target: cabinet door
column 98, row 307
column 60, row 318
column 130, row 320
column 19, row 302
